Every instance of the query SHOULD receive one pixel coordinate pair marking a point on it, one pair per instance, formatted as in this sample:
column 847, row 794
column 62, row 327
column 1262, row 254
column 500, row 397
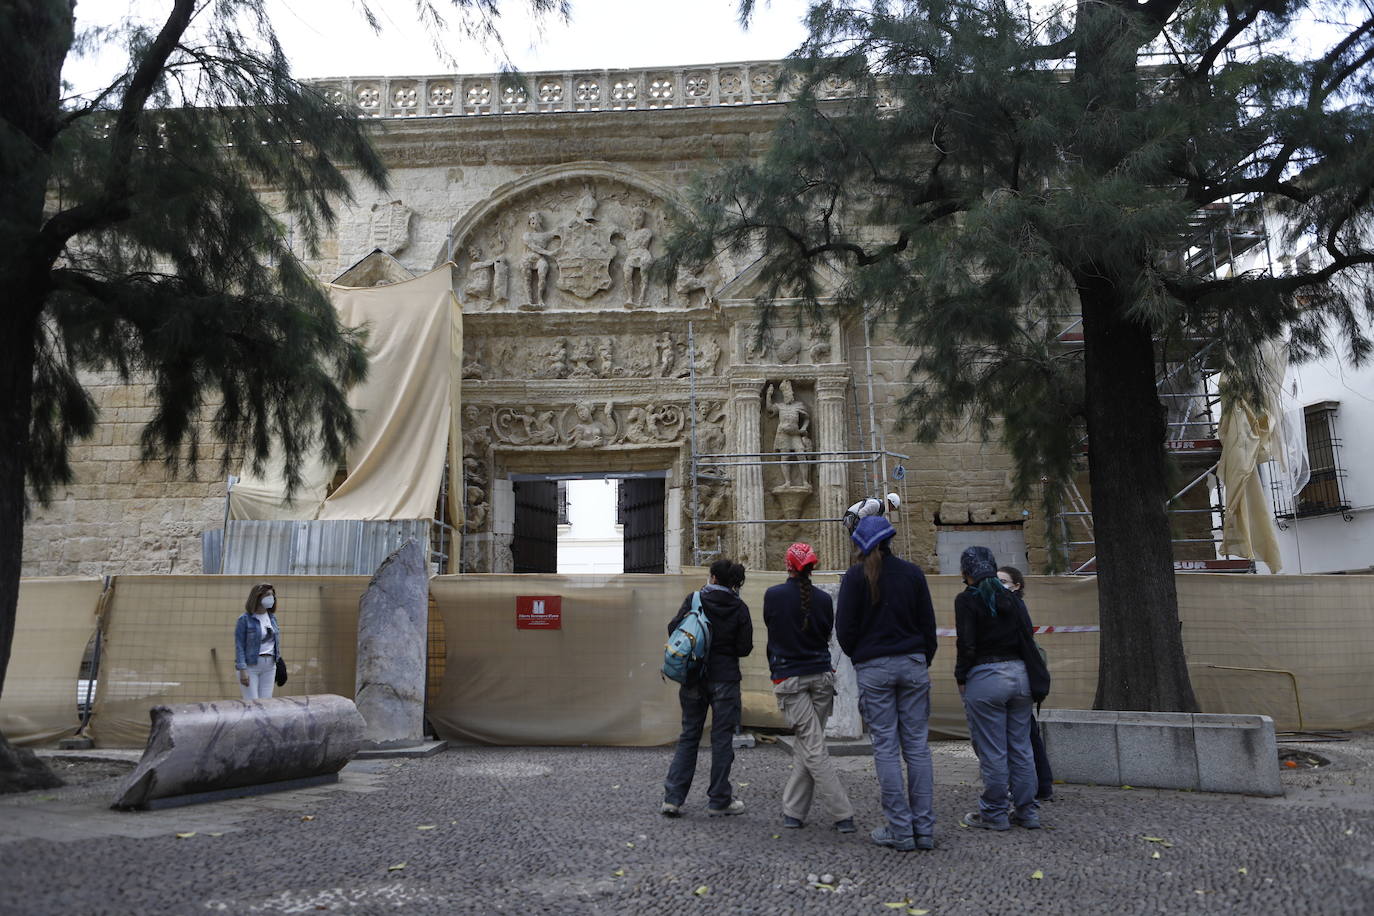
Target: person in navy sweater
column 886, row 625
column 800, row 618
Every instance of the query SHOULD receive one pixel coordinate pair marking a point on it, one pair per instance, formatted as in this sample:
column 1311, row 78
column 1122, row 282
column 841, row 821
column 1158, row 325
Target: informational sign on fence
column 539, row 612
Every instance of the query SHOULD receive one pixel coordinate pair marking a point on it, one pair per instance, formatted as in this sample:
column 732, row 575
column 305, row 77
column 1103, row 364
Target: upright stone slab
column 845, row 721
column 393, row 616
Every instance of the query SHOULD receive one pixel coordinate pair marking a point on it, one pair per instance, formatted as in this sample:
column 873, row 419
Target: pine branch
column 112, row 204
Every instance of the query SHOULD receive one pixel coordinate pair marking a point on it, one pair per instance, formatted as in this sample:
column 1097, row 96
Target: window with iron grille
column 1325, row 490
column 563, row 502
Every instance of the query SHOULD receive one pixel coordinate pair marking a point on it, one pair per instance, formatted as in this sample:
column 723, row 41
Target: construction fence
column 1296, row 648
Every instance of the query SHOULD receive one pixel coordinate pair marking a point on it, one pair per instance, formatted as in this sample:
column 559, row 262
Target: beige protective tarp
column 56, row 620
column 1251, row 435
column 170, row 639
column 408, row 411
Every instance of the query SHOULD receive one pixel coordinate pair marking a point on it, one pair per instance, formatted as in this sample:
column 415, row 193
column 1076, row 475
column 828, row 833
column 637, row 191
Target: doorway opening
column 597, row 522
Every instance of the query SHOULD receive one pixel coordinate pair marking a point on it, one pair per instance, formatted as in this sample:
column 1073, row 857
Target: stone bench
column 1163, row 750
column 207, row 751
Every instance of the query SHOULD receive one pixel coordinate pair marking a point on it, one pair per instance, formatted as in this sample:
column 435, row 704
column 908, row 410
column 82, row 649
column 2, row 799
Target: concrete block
column 1081, row 745
column 1237, row 753
column 1156, row 749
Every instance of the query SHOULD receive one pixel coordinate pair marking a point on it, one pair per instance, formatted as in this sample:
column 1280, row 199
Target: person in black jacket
column 886, row 625
column 993, row 629
column 799, row 619
column 717, row 689
column 1015, row 583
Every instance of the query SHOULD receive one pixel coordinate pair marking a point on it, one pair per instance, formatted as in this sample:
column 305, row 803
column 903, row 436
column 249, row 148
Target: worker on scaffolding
column 870, row 506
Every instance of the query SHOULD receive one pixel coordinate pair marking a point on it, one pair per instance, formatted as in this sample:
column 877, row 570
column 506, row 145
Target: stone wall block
column 393, row 616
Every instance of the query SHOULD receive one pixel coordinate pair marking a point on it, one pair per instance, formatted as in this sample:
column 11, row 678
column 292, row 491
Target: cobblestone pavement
column 577, row 830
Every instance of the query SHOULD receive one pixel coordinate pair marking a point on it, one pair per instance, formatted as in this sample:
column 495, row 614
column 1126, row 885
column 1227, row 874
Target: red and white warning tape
column 948, row 631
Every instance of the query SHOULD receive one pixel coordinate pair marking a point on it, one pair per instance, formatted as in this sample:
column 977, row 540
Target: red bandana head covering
column 800, row 556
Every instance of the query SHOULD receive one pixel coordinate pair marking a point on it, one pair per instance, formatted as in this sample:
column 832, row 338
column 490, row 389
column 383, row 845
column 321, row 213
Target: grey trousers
column 806, row 702
column 997, row 702
column 894, row 696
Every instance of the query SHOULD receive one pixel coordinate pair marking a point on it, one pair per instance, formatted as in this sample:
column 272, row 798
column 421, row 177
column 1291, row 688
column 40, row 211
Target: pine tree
column 137, row 234
column 975, row 174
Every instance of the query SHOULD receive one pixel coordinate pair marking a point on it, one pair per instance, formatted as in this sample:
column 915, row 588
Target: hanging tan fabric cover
column 407, row 411
column 1249, row 437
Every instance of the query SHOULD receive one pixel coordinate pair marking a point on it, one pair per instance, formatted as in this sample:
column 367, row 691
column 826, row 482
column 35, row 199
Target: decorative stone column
column 831, row 438
column 746, row 406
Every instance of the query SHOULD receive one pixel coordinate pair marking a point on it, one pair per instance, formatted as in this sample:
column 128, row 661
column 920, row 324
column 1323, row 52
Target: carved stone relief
column 389, row 230
column 590, row 425
column 576, row 243
column 620, row 356
column 786, row 346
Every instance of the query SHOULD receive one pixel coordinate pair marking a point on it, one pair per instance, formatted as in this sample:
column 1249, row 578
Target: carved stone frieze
column 587, row 424
column 786, row 345
column 584, row 241
column 601, row 356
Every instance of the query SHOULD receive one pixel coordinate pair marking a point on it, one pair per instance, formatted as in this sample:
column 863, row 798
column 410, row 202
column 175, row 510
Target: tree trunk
column 1141, row 660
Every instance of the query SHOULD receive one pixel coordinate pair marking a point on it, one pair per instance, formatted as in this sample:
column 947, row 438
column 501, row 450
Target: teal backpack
column 685, row 652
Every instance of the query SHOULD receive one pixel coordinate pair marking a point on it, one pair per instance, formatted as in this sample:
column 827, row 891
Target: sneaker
column 735, row 807
column 1030, row 823
column 974, row 819
column 670, row 810
column 846, row 825
column 925, row 841
column 884, row 836
column 791, row 823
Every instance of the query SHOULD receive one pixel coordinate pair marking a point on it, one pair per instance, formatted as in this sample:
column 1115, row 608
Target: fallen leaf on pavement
column 1158, row 839
column 307, row 817
column 629, row 845
column 1037, row 874
column 397, row 867
column 777, row 836
column 701, row 891
column 1243, row 871
column 424, row 827
column 896, row 904
column 186, row 836
column 619, row 873
column 1128, row 787
column 214, row 834
column 915, row 912
column 1154, row 855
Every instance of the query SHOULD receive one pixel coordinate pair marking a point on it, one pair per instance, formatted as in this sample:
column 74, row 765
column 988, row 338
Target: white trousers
column 262, row 677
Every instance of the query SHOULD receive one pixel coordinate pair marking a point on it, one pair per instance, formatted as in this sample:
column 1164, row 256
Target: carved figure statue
column 710, row 430
column 793, row 424
column 707, row 356
column 587, row 431
column 477, row 509
column 637, row 426
column 555, row 360
column 534, row 266
column 689, row 283
column 472, row 364
column 605, row 351
column 583, row 353
column 476, row 433
column 667, row 355
column 486, row 277
column 637, row 259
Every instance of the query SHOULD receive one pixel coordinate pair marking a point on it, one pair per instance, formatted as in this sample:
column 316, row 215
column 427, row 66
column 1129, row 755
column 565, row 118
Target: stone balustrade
column 701, row 86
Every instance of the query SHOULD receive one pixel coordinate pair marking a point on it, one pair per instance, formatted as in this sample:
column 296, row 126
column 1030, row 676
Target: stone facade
column 579, row 355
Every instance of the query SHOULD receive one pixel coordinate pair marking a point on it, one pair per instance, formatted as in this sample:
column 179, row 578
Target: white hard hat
column 894, row 501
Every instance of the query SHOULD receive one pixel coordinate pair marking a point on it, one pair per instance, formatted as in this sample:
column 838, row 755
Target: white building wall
column 1330, row 543
column 591, row 542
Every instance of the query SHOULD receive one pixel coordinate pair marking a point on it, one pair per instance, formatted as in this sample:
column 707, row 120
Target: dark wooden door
column 641, row 504
column 535, row 547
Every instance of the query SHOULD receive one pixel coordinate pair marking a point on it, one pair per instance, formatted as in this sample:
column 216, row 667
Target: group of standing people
column 886, row 625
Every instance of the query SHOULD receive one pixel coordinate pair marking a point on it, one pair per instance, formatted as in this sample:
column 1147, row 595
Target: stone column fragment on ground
column 830, row 438
column 393, row 615
column 228, row 744
column 745, row 401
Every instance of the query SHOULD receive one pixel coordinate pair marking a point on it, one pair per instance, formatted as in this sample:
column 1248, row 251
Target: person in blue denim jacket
column 992, row 629
column 257, row 643
column 886, row 625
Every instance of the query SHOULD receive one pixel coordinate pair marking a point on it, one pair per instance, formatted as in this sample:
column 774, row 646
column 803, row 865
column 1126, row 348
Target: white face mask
column 268, row 602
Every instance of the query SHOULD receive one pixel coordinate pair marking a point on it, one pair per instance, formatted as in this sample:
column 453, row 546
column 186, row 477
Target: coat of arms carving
column 585, row 253
column 391, row 226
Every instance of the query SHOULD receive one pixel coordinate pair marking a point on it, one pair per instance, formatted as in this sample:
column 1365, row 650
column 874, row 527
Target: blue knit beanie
column 872, row 531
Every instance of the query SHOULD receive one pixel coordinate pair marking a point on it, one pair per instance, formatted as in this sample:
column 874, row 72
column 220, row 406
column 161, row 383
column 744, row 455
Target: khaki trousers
column 805, row 702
